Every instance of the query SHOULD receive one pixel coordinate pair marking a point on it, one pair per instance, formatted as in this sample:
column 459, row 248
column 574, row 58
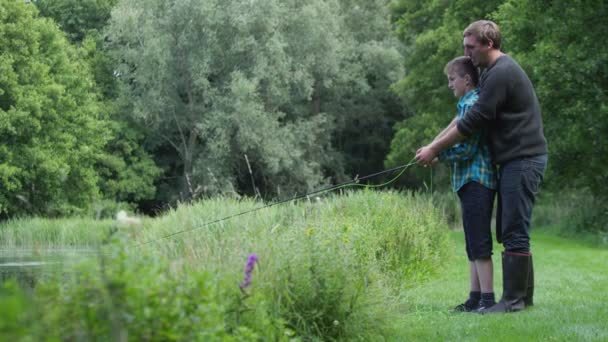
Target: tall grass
column 328, row 269
column 448, row 205
column 573, row 213
column 40, row 233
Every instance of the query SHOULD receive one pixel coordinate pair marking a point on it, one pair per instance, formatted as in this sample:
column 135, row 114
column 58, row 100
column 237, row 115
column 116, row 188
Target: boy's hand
column 426, row 156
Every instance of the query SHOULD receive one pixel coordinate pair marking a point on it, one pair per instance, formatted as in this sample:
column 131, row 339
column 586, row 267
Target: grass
column 329, row 269
column 570, row 298
column 41, row 233
column 362, row 266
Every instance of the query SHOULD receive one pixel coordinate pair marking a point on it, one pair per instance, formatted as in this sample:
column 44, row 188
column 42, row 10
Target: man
column 508, row 110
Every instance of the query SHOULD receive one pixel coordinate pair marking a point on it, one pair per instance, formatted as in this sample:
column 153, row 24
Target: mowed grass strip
column 571, row 301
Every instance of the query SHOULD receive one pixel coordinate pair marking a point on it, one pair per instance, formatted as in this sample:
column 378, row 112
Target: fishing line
column 354, row 182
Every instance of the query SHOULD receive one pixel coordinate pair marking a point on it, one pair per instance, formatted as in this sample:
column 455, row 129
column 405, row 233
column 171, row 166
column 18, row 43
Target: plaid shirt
column 471, row 158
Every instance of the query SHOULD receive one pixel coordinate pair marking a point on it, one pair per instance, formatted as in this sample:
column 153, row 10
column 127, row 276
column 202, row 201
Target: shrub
column 327, row 270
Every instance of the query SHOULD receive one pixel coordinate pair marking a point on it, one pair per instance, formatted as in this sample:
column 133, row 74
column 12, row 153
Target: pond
column 28, row 267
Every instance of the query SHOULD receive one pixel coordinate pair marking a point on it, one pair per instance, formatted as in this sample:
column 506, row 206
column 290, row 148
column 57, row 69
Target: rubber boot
column 515, row 272
column 528, row 299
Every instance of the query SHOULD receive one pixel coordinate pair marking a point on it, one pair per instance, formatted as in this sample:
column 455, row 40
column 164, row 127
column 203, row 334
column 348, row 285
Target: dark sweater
column 508, row 110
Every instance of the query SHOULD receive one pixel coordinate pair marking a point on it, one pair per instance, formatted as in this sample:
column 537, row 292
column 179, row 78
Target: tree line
column 153, row 102
column 176, row 100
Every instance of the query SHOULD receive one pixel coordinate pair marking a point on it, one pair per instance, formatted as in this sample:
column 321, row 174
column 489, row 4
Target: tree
column 78, row 18
column 364, row 105
column 127, row 173
column 51, row 131
column 208, row 80
column 215, row 81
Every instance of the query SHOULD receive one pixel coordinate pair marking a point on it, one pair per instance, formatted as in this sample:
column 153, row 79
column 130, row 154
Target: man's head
column 481, row 40
column 462, row 75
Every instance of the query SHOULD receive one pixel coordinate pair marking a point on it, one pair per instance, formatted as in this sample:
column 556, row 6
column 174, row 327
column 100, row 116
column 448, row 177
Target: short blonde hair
column 485, row 31
column 463, row 66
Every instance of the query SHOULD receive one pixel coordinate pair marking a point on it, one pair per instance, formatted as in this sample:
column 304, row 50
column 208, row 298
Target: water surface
column 28, row 266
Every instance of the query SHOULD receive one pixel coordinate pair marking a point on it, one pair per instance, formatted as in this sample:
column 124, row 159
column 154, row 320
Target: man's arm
column 492, row 95
column 426, row 154
column 462, row 151
column 445, row 130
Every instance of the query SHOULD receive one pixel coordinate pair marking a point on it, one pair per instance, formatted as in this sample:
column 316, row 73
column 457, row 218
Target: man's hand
column 426, row 156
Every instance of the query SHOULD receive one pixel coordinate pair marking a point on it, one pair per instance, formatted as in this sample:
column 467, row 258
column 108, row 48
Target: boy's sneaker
column 483, row 305
column 467, row 306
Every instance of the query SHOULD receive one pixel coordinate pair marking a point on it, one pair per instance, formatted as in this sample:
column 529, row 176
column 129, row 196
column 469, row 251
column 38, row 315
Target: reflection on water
column 23, row 264
column 28, row 267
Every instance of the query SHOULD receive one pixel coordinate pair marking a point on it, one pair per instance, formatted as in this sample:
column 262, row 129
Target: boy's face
column 457, row 83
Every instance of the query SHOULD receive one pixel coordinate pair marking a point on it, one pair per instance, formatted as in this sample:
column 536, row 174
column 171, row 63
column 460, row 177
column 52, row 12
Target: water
column 28, row 267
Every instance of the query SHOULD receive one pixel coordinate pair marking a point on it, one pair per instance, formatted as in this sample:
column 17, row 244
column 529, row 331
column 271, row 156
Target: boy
column 474, row 179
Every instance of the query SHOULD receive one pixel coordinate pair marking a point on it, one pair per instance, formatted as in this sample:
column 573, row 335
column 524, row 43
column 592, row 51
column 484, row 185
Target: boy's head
column 462, row 75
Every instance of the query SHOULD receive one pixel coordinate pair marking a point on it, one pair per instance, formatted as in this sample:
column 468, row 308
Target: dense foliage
column 265, row 98
column 174, row 100
column 553, row 43
column 78, row 18
column 127, row 172
column 52, row 130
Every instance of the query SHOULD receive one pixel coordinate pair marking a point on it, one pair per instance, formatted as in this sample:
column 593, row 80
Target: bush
column 330, row 269
column 128, row 297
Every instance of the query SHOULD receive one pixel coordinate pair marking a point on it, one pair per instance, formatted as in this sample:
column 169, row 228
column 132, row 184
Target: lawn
column 570, row 298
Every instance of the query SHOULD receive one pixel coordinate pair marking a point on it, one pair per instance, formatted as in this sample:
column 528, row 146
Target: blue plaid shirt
column 471, row 158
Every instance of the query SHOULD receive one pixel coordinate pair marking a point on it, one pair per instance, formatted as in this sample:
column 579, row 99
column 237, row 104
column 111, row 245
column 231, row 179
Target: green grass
column 41, row 233
column 329, row 269
column 570, row 298
column 360, row 266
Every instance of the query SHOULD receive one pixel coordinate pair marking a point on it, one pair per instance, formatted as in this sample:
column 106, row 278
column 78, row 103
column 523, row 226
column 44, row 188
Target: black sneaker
column 482, row 307
column 467, row 306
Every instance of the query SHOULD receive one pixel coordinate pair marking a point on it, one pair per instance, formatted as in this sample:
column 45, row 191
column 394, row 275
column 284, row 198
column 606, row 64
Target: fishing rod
column 354, row 182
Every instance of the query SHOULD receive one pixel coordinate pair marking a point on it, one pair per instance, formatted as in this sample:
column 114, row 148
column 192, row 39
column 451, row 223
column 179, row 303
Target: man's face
column 475, row 50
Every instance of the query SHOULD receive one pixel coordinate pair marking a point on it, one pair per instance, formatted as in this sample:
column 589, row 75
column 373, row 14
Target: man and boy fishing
column 497, row 146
